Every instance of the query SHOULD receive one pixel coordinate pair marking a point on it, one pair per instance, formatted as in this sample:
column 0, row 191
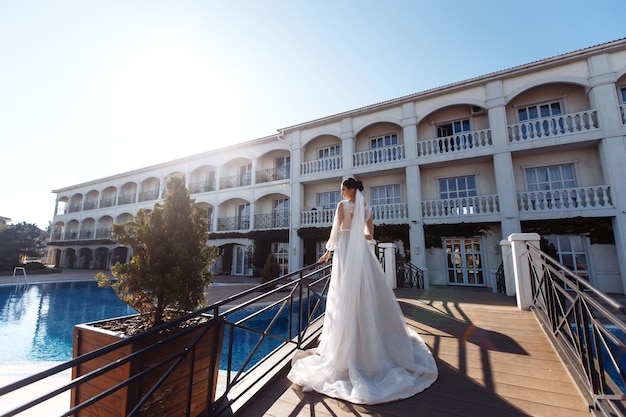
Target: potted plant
column 166, row 278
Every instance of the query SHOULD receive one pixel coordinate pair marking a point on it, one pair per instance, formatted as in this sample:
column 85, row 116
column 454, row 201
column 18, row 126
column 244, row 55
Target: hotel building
column 449, row 173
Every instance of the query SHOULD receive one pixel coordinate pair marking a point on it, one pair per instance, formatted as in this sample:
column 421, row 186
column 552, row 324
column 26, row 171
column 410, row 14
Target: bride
column 366, row 354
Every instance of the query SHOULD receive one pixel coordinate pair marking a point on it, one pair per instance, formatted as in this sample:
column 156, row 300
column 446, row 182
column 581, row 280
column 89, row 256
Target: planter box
column 192, row 376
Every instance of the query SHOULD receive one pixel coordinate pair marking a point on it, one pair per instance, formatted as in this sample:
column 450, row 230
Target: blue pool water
column 37, row 323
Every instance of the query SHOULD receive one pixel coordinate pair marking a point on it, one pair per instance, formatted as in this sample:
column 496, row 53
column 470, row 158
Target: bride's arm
column 334, row 233
column 369, row 228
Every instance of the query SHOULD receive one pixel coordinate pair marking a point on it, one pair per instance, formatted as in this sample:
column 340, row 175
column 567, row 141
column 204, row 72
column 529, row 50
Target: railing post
column 390, row 263
column 507, row 263
column 521, row 267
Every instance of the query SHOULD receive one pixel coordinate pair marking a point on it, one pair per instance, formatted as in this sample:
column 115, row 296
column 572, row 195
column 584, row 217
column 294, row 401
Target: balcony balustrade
column 107, row 202
column 564, row 124
column 272, row 174
column 596, row 197
column 90, row 205
column 321, row 165
column 57, row 235
column 74, row 208
column 233, row 223
column 317, row 218
column 103, row 233
column 378, row 156
column 389, row 212
column 126, row 199
column 271, row 221
column 235, row 181
column 464, row 206
column 71, row 235
column 150, row 195
column 86, row 234
column 202, row 186
column 456, row 143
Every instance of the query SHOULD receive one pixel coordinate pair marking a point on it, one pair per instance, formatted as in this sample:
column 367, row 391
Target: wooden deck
column 494, row 360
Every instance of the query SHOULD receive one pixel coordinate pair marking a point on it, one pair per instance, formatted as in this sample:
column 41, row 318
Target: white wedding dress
column 366, row 354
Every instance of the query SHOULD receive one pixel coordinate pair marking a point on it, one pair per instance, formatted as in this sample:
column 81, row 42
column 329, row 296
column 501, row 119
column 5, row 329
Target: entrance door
column 239, row 259
column 464, row 262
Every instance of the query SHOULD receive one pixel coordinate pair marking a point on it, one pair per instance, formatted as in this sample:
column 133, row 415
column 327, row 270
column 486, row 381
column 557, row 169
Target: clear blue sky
column 94, row 88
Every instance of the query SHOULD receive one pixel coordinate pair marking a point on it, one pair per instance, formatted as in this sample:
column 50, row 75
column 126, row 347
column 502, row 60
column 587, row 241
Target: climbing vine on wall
column 600, row 230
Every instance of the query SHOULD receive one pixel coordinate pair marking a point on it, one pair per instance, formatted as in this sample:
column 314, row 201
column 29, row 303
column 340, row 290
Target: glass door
column 239, row 259
column 464, row 262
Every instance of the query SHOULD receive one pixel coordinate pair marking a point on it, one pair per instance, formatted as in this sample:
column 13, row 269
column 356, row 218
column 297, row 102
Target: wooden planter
column 192, row 375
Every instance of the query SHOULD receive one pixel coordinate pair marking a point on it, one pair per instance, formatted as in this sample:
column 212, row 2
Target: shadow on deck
column 493, row 359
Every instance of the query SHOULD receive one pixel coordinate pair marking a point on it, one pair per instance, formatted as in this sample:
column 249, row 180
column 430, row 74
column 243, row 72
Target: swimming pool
column 37, row 321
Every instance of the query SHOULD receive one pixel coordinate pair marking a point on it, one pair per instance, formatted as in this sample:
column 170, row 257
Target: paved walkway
column 222, row 287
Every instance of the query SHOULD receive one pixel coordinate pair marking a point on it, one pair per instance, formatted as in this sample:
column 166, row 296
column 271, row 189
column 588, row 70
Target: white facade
column 449, row 172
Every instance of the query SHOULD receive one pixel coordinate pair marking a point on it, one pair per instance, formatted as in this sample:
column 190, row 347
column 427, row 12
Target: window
column 283, row 167
column 539, row 111
column 384, row 141
column 328, row 200
column 458, row 192
column 569, row 251
column 453, row 128
column 243, row 216
column 281, row 212
column 623, row 94
column 457, row 187
column 245, row 174
column 281, row 253
column 386, row 194
column 556, row 177
column 329, row 152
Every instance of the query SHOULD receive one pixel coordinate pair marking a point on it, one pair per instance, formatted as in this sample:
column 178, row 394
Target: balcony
column 381, row 213
column 378, row 156
column 91, row 205
column 580, row 198
column 272, row 174
column 103, row 233
column 321, row 165
column 235, row 181
column 126, row 199
column 459, row 142
column 86, row 234
column 74, row 208
column 107, row 202
column 233, row 223
column 202, row 186
column 565, row 124
column 271, row 221
column 388, row 213
column 317, row 218
column 476, row 206
column 148, row 195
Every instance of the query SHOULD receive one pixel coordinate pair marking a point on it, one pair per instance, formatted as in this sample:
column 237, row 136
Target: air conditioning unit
column 476, row 111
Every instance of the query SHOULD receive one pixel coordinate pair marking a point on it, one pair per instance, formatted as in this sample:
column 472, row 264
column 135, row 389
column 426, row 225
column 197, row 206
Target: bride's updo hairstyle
column 352, row 184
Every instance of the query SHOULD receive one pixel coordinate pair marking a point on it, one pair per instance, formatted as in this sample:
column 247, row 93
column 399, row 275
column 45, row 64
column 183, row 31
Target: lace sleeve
column 334, row 232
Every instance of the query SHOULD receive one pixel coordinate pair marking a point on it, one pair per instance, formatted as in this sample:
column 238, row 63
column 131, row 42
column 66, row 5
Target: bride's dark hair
column 352, row 184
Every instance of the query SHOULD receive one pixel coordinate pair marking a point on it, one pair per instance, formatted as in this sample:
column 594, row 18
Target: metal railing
column 584, row 325
column 407, row 274
column 297, row 298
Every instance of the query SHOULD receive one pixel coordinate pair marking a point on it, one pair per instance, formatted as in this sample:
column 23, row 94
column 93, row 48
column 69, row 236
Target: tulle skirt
column 366, row 354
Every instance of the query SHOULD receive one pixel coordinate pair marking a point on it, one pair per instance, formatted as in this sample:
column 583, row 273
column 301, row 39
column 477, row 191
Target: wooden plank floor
column 493, row 359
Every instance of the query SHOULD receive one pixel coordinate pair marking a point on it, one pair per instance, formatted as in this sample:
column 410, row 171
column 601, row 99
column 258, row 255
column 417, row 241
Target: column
column 390, row 263
column 347, row 143
column 521, row 267
column 603, row 97
column 409, row 131
column 296, row 202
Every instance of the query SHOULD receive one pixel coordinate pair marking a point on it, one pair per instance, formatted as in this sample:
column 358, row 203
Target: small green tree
column 270, row 269
column 17, row 241
column 169, row 270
